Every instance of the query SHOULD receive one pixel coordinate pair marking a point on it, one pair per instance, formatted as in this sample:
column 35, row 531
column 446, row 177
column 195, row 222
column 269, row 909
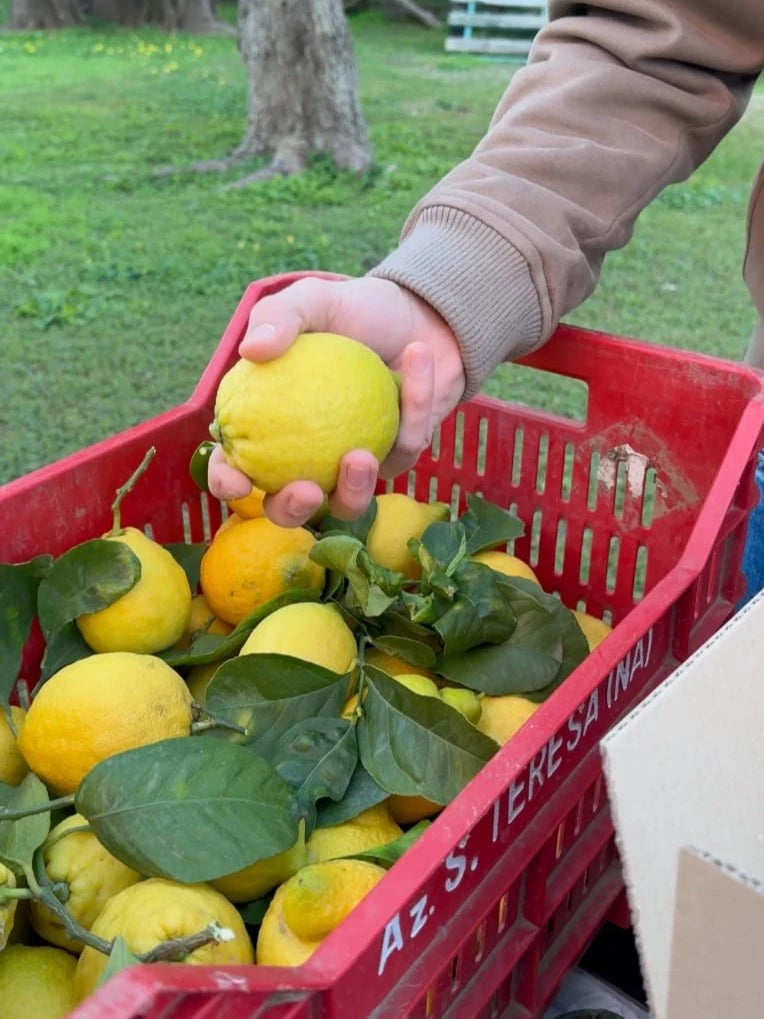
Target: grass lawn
column 115, row 284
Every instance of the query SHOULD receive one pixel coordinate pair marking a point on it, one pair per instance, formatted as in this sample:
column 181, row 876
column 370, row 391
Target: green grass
column 115, row 284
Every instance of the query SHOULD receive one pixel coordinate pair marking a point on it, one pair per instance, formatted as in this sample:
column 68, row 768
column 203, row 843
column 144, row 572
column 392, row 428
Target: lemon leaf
column 488, row 525
column 253, row 913
column 188, row 556
column 417, row 746
column 269, row 693
column 358, row 528
column 480, row 612
column 120, row 957
column 387, row 854
column 316, row 758
column 362, row 792
column 19, row 583
column 20, row 838
column 86, row 578
column 442, row 544
column 64, row 647
column 371, row 587
column 188, row 809
column 412, row 651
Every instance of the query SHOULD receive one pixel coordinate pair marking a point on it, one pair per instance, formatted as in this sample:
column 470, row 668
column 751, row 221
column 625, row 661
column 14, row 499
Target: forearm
column 613, row 106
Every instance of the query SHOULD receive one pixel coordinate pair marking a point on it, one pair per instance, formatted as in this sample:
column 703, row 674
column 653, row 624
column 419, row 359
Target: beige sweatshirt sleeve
column 619, row 99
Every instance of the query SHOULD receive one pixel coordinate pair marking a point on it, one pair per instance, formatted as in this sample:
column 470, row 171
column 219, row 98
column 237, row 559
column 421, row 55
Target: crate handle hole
column 501, row 922
column 480, row 942
column 455, row 967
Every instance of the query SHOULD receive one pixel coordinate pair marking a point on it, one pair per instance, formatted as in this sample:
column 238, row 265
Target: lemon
column 371, row 828
column 260, row 877
column 100, row 706
column 466, row 702
column 593, row 629
column 399, row 518
column 36, row 982
column 313, row 631
column 13, row 767
column 153, row 614
column 252, row 561
column 410, row 809
column 293, row 418
column 8, row 908
column 501, row 717
column 505, row 563
column 202, row 620
column 309, row 906
column 156, row 910
column 91, row 873
column 198, row 679
column 394, row 666
column 417, row 684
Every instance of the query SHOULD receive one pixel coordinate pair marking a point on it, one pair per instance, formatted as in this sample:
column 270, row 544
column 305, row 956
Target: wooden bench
column 506, row 27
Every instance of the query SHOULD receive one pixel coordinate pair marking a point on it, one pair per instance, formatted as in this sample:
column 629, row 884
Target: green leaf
column 63, row 648
column 395, row 623
column 528, row 661
column 20, row 838
column 252, row 913
column 412, row 651
column 371, row 587
column 446, row 542
column 18, row 607
column 211, row 647
column 386, row 855
column 479, row 614
column 188, row 809
column 417, row 746
column 316, row 758
column 269, row 693
column 120, row 958
column 87, row 578
column 358, row 528
column 362, row 792
column 189, row 556
column 488, row 525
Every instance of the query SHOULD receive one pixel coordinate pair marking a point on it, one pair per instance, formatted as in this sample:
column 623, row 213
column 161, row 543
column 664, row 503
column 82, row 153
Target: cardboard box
column 686, row 769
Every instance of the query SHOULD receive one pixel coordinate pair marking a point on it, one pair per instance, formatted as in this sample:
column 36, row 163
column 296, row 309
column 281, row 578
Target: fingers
column 417, row 392
column 275, row 321
column 224, row 481
column 294, row 504
column 355, row 485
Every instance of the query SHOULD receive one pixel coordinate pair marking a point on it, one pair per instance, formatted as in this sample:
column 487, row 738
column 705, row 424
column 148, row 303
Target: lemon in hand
column 99, row 706
column 153, row 614
column 294, row 417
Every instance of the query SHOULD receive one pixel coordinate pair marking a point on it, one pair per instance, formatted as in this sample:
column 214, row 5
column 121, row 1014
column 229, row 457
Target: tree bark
column 302, row 84
column 33, row 14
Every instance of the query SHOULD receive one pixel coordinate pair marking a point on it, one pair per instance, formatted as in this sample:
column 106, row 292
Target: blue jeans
column 753, row 556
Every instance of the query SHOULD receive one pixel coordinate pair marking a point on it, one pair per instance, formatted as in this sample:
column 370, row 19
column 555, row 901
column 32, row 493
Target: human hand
column 409, row 336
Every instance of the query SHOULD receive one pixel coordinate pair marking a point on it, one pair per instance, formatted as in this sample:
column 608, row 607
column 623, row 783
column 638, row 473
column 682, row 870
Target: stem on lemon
column 129, row 485
column 203, row 720
column 6, row 814
column 177, row 949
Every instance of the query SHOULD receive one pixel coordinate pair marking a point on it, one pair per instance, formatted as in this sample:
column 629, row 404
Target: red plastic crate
column 638, row 512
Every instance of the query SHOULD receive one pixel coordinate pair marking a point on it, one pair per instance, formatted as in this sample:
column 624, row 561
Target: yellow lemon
column 91, row 873
column 399, row 518
column 313, row 631
column 8, row 908
column 202, row 620
column 198, row 679
column 293, row 418
column 395, row 666
column 100, row 706
column 36, row 982
column 260, row 877
column 501, row 717
column 418, row 684
column 410, row 809
column 593, row 629
column 505, row 563
column 309, row 906
column 248, row 564
column 371, row 828
column 156, row 910
column 153, row 614
column 13, row 767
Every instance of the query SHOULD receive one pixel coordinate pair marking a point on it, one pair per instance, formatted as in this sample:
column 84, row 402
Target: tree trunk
column 32, row 14
column 303, row 84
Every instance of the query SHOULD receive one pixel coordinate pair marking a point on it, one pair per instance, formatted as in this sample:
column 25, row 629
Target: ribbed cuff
column 476, row 280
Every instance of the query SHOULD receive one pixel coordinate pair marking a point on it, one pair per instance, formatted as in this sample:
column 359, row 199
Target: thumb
column 277, row 320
